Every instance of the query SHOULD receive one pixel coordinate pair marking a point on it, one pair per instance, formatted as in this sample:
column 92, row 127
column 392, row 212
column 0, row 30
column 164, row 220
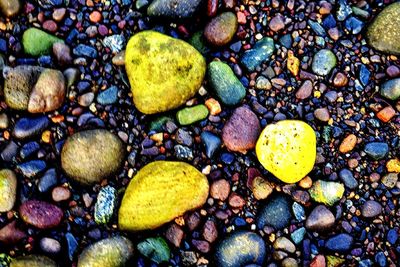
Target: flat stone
column 40, row 214
column 371, row 209
column 320, row 219
column 323, row 62
column 8, row 190
column 221, row 29
column 174, row 9
column 275, row 213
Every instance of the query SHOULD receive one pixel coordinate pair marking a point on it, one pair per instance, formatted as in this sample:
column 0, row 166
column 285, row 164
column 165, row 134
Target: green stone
column 191, row 115
column 323, row 62
column 260, row 53
column 326, row 192
column 225, row 83
column 109, row 252
column 158, row 123
column 390, row 89
column 4, row 260
column 383, row 34
column 8, row 190
column 37, row 42
column 155, row 248
column 33, row 261
column 105, row 205
column 163, row 72
column 198, row 41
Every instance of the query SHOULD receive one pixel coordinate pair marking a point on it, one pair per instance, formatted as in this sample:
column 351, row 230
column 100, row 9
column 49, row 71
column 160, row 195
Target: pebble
column 390, row 180
column 211, row 143
column 60, row 193
column 213, row 106
column 348, row 144
column 115, row 251
column 346, row 176
column 261, row 188
column 190, row 115
column 340, row 243
column 40, row 214
column 371, row 209
column 234, row 250
column 184, row 188
column 115, row 42
column 50, row 245
column 382, row 34
column 326, row 192
column 10, row 8
column 108, row 96
column 8, row 190
column 277, row 23
column 323, row 62
column 105, row 205
column 243, row 120
column 305, row 90
column 320, row 219
column 171, row 88
column 48, row 180
column 376, row 150
column 287, row 149
column 263, row 83
column 33, row 261
column 174, row 10
column 275, row 213
column 62, row 53
column 386, row 114
column 89, row 148
column 225, row 83
column 10, row 234
column 221, row 29
column 220, row 189
column 390, row 89
column 155, row 248
column 260, row 53
column 340, row 80
column 37, row 42
column 4, row 121
column 283, row 243
column 85, row 51
column 31, row 168
column 322, row 114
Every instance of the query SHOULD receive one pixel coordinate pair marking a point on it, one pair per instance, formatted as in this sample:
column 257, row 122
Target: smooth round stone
column 62, row 53
column 48, row 93
column 8, row 190
column 105, row 205
column 320, row 219
column 348, row 179
column 110, row 252
column 173, row 9
column 18, row 84
column 371, row 209
column 282, row 243
column 276, row 213
column 37, row 42
column 29, row 127
column 50, row 245
column 182, row 186
column 326, row 192
column 287, row 149
column 40, row 214
column 221, row 29
column 241, row 131
column 383, row 33
column 48, row 180
column 108, row 96
column 241, row 249
column 211, row 142
column 4, row 121
column 260, row 53
column 10, row 8
column 323, row 62
column 340, row 243
column 84, row 150
column 390, row 89
column 33, row 261
column 171, row 71
column 10, row 234
column 376, row 150
column 190, row 115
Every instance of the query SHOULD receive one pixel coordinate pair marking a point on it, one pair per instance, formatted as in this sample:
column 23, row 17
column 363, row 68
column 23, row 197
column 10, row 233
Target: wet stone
column 371, row 209
column 376, row 150
column 174, row 10
column 8, row 190
column 211, row 143
column 40, row 214
column 221, row 29
column 29, row 127
column 260, row 53
column 348, row 179
column 105, row 205
column 339, row 243
column 390, row 89
column 276, row 213
column 320, row 219
column 323, row 62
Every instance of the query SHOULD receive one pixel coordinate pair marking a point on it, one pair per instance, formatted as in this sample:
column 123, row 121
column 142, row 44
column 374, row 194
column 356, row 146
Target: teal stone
column 158, row 123
column 323, row 62
column 105, row 205
column 298, row 235
column 260, row 53
column 225, row 83
column 155, row 248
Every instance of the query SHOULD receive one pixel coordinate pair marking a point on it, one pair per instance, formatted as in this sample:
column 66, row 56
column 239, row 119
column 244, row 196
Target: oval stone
column 163, row 72
column 160, row 192
column 8, row 190
column 241, row 249
column 287, row 149
column 92, row 155
column 33, row 261
column 40, row 214
column 110, row 252
column 221, row 29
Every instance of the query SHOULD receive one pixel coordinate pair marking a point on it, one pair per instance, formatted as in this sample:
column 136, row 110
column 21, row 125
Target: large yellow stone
column 163, row 72
column 160, row 192
column 287, row 149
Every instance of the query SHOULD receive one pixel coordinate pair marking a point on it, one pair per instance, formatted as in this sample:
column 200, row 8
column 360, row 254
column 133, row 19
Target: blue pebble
column 286, row 41
column 348, row 179
column 227, row 158
column 32, row 168
column 317, row 28
column 298, row 235
column 365, row 263
column 344, row 10
column 298, row 212
column 211, row 143
column 72, row 245
column 339, row 243
column 108, row 96
column 329, row 22
column 28, row 127
column 28, row 149
column 260, row 53
column 85, row 51
column 380, row 259
column 354, row 25
column 392, row 236
column 364, row 74
column 376, row 150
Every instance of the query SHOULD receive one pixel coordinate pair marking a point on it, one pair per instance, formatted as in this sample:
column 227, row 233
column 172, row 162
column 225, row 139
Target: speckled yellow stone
column 163, row 72
column 160, row 192
column 287, row 149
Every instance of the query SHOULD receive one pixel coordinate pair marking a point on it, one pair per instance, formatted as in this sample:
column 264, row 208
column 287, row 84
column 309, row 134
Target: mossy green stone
column 33, row 261
column 383, row 34
column 8, row 190
column 163, row 72
column 326, row 192
column 155, row 248
column 109, row 252
column 225, row 83
column 191, row 115
column 37, row 42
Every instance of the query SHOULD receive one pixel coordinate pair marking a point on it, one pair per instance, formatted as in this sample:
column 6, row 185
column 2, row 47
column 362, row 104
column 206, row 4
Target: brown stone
column 236, row 201
column 322, row 114
column 210, row 232
column 305, row 90
column 10, row 234
column 221, row 29
column 348, row 143
column 318, row 261
column 277, row 23
column 386, row 114
column 174, row 235
column 340, row 80
column 220, row 189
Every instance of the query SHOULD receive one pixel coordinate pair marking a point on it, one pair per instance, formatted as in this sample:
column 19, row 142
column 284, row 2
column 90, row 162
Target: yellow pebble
column 393, row 165
column 46, row 136
column 317, row 94
column 293, row 63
